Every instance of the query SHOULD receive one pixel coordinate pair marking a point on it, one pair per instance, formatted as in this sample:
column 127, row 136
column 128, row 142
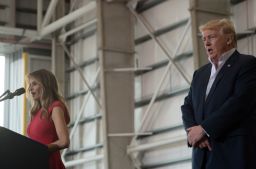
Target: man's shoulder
column 204, row 68
column 202, row 71
column 248, row 57
column 246, row 60
column 245, row 57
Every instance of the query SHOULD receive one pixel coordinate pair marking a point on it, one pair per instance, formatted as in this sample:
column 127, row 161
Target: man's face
column 215, row 43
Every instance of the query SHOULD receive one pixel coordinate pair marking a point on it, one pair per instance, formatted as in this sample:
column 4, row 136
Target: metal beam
column 116, row 49
column 149, row 29
column 164, row 63
column 49, row 12
column 147, row 4
column 88, row 62
column 155, row 132
column 63, row 36
column 83, row 161
column 161, row 31
column 66, row 19
column 39, row 14
column 152, row 145
column 86, row 120
column 166, row 163
column 5, row 30
column 234, row 2
column 163, row 96
column 82, row 93
column 83, row 150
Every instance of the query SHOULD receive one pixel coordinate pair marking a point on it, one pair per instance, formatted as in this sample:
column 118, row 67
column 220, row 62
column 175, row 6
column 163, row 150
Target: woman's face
column 35, row 89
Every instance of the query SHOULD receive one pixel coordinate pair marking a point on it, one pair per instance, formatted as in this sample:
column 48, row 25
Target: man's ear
column 229, row 40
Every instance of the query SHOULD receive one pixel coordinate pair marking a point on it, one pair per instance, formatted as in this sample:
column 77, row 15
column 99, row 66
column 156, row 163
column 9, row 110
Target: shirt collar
column 224, row 57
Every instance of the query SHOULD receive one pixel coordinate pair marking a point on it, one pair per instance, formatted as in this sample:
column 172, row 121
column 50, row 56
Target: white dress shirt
column 214, row 72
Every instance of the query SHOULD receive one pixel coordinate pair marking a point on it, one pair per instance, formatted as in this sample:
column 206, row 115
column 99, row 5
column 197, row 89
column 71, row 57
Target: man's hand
column 204, row 143
column 195, row 134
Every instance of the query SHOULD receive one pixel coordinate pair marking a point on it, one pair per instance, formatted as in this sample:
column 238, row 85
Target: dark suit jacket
column 227, row 115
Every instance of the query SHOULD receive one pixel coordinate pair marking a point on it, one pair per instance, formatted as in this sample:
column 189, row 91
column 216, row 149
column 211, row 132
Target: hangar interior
column 124, row 67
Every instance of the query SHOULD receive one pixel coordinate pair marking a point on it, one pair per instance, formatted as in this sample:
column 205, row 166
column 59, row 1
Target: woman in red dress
column 49, row 115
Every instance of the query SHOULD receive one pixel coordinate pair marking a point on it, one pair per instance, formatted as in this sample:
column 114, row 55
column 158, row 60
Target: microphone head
column 19, row 91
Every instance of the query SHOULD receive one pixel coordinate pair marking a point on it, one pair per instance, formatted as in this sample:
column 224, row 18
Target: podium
column 20, row 152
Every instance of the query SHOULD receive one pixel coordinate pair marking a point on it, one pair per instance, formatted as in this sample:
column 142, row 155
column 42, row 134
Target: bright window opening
column 2, row 73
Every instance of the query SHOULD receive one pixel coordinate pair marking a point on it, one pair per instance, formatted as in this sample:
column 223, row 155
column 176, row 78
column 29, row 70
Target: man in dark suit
column 219, row 111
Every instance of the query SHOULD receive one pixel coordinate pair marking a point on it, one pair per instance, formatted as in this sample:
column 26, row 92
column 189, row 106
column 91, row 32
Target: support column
column 116, row 51
column 201, row 12
column 58, row 54
column 11, row 13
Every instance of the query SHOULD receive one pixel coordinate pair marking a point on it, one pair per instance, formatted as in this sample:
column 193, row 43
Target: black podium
column 20, row 152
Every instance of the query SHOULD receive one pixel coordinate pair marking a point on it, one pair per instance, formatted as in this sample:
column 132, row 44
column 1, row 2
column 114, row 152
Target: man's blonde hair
column 224, row 25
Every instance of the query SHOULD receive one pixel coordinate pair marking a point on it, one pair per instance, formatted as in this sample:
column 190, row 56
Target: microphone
column 17, row 92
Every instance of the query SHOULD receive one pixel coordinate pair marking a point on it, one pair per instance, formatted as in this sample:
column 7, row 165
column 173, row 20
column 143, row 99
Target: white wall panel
column 148, row 53
column 168, row 12
column 91, row 108
column 83, row 50
column 171, row 40
column 150, row 82
column 239, row 16
column 164, row 113
column 39, row 62
column 188, row 67
column 167, row 153
column 169, row 114
column 164, row 14
column 186, row 165
column 75, row 80
column 244, row 17
column 247, row 45
column 174, row 80
column 88, row 134
column 90, row 74
column 83, row 19
column 251, row 14
column 89, row 48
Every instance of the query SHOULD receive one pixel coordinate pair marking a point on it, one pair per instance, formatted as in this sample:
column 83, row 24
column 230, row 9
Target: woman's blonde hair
column 50, row 91
column 224, row 25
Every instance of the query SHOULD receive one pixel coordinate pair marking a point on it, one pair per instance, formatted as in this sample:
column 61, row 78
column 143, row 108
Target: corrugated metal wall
column 83, row 47
column 168, row 18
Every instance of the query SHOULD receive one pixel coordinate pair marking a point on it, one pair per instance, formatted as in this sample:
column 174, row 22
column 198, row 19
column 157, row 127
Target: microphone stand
column 9, row 95
column 6, row 93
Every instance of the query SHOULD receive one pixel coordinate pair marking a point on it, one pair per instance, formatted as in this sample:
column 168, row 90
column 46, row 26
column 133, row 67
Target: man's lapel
column 227, row 67
column 205, row 79
column 202, row 89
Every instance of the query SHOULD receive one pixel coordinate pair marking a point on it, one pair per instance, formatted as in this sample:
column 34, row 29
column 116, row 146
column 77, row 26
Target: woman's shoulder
column 58, row 103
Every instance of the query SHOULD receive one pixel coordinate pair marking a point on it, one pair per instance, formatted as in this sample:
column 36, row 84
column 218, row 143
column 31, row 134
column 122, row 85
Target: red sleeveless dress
column 43, row 130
